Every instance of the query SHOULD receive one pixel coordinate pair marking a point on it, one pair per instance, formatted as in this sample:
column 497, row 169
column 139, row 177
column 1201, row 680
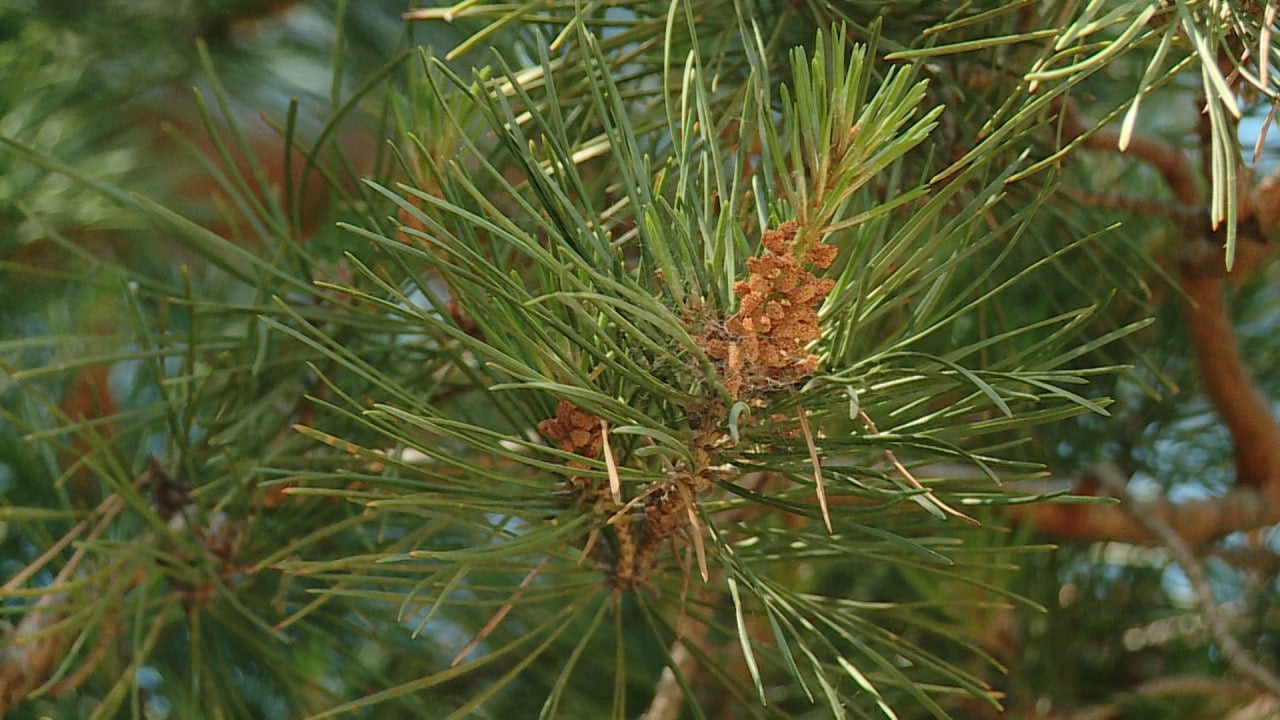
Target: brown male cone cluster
column 666, row 505
column 575, row 430
column 777, row 317
column 765, row 343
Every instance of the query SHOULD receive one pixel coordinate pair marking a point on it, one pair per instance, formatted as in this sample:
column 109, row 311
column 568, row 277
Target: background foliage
column 487, row 360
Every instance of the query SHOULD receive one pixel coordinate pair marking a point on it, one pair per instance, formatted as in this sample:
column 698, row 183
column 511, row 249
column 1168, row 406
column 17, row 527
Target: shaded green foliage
column 316, row 481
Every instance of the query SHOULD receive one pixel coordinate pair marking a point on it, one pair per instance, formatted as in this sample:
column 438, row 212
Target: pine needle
column 817, row 469
column 502, row 613
column 911, row 479
column 695, row 532
column 615, row 483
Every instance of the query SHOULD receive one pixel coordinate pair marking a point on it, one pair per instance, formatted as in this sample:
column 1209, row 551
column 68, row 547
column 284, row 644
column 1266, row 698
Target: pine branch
column 1245, row 410
column 1196, row 521
column 649, row 306
column 1240, row 658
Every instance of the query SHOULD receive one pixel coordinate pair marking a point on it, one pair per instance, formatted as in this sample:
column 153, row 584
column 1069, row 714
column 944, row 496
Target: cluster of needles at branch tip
column 760, row 348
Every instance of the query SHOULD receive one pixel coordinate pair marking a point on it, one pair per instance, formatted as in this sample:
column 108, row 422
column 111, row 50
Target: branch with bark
column 1241, row 660
column 1228, row 383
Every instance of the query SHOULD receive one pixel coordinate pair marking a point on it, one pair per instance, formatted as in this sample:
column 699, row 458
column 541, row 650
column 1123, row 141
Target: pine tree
column 703, row 359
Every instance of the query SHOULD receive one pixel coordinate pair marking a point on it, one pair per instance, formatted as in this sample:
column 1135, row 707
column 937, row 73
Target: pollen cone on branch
column 766, row 340
column 574, row 430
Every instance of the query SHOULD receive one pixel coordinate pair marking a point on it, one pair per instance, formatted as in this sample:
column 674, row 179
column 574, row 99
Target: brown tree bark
column 1227, row 381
